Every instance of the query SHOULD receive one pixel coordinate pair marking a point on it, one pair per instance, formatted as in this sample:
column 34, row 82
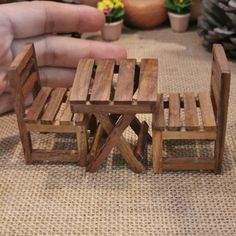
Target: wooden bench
column 115, row 93
column 204, row 118
column 49, row 113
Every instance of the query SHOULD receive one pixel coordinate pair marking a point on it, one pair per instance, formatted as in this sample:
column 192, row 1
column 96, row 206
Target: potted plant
column 114, row 13
column 179, row 14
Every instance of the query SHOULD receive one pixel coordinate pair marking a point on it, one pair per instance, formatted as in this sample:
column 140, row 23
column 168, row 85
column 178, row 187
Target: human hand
column 57, row 56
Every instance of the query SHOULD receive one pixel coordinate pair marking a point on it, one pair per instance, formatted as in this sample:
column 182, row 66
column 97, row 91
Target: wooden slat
column 29, row 84
column 174, row 112
column 190, row 112
column 21, row 60
column 103, row 81
column 188, row 163
column 55, row 155
column 158, row 118
column 82, row 81
column 148, row 81
column 27, row 71
column 66, row 117
column 207, row 112
column 189, row 135
column 125, row 84
column 55, row 128
column 220, row 58
column 38, row 104
column 53, row 105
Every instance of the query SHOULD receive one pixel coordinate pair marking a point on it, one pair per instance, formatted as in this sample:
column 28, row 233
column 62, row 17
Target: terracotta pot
column 92, row 3
column 196, row 9
column 145, row 14
column 179, row 23
column 112, row 31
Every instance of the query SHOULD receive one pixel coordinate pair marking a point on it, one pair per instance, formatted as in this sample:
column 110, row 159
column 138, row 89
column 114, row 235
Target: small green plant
column 112, row 9
column 179, row 6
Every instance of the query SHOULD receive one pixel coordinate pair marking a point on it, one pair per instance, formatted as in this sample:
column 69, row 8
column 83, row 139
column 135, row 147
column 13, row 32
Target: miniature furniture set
column 106, row 96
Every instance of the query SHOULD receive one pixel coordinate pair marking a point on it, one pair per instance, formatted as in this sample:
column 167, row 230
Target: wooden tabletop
column 106, row 86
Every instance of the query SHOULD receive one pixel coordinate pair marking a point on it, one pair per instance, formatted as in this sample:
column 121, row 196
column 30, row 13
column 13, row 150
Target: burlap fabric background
column 62, row 199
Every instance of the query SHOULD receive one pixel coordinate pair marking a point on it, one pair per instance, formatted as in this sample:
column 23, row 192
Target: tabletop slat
column 125, row 84
column 103, row 81
column 82, row 80
column 148, row 81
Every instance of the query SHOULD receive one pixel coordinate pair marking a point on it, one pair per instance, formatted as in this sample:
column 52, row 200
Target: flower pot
column 112, row 31
column 179, row 23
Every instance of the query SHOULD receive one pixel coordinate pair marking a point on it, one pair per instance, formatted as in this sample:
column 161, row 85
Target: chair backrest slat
column 220, row 82
column 24, row 77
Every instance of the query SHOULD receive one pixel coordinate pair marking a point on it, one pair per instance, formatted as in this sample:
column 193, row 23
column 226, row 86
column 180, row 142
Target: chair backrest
column 220, row 84
column 24, row 77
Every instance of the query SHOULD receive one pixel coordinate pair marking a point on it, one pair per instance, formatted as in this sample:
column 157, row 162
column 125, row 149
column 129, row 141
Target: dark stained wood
column 187, row 163
column 125, row 84
column 139, row 151
column 36, row 108
column 55, row 155
column 101, row 90
column 82, row 80
column 148, row 81
column 190, row 112
column 66, row 117
column 158, row 121
column 207, row 112
column 29, row 84
column 22, row 59
column 222, row 108
column 174, row 112
column 53, row 106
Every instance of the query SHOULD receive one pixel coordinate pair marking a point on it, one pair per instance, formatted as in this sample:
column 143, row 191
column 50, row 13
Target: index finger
column 27, row 19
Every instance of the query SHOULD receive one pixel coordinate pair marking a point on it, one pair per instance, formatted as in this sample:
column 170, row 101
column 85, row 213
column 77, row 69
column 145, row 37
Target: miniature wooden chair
column 213, row 107
column 43, row 115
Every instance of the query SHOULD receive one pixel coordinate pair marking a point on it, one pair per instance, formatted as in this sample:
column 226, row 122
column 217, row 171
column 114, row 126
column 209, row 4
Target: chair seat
column 188, row 113
column 51, row 107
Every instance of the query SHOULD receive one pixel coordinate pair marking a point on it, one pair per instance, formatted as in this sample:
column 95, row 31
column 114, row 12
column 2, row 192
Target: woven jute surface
column 62, row 199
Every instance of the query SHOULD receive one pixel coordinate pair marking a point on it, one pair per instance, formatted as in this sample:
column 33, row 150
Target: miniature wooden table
column 106, row 89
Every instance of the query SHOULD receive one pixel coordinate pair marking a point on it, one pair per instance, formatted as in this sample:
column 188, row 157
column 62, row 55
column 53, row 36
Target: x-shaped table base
column 115, row 138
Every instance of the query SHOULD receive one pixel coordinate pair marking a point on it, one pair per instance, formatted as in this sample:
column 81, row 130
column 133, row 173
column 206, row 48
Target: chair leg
column 82, row 144
column 157, row 145
column 218, row 154
column 27, row 146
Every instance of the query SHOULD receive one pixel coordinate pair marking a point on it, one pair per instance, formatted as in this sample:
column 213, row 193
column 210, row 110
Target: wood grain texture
column 125, row 84
column 22, row 59
column 82, row 145
column 53, row 106
column 101, row 90
column 190, row 112
column 29, row 84
column 82, row 80
column 66, row 117
column 148, row 81
column 142, row 141
column 158, row 118
column 157, row 146
column 55, row 155
column 38, row 104
column 187, row 163
column 208, row 117
column 174, row 112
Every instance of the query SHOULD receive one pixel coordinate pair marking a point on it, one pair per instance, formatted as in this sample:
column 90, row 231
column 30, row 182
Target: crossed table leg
column 115, row 138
